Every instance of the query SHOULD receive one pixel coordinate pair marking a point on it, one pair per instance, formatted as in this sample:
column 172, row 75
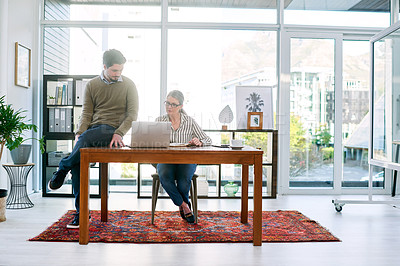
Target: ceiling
column 338, row 5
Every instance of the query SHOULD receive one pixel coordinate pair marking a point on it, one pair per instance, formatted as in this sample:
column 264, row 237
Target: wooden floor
column 370, row 235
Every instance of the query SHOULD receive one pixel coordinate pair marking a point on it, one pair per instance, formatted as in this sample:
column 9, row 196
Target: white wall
column 22, row 27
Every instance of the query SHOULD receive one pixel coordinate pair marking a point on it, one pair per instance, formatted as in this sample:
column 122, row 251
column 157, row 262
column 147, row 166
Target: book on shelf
column 80, row 90
column 59, row 93
column 69, row 92
column 51, row 119
column 57, row 120
column 62, row 119
column 68, row 120
column 64, row 94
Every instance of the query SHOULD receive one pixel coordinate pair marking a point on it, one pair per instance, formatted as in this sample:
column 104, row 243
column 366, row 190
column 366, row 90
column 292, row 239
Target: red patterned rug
column 220, row 226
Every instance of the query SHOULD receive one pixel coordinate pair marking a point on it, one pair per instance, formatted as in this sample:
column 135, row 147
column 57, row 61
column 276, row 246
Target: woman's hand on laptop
column 116, row 141
column 195, row 142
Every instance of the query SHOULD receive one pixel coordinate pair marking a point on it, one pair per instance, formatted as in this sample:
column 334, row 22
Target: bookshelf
column 62, row 107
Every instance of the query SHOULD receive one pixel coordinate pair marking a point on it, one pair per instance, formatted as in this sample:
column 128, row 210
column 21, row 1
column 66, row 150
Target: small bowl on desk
column 236, row 147
column 237, row 144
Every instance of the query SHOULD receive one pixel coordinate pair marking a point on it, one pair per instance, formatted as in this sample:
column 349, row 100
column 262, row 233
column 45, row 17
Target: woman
column 176, row 178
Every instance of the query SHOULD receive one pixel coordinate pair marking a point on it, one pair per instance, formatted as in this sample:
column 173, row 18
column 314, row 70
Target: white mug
column 236, row 143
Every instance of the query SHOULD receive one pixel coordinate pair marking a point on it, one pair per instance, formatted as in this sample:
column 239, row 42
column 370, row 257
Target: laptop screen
column 150, row 134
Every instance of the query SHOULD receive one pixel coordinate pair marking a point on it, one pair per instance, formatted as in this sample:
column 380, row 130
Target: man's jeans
column 95, row 136
column 176, row 180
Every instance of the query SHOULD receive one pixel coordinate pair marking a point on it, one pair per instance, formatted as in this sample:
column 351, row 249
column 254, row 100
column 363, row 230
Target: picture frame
column 254, row 99
column 22, row 65
column 254, row 120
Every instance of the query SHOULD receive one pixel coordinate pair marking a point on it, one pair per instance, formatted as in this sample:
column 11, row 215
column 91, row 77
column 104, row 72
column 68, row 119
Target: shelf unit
column 62, row 97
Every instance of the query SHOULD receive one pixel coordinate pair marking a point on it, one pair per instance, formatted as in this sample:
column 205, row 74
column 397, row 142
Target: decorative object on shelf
column 254, row 99
column 254, row 120
column 22, row 65
column 225, row 117
column 231, row 188
column 12, row 126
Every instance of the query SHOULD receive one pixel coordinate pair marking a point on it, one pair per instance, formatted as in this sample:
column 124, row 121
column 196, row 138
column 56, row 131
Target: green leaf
column 12, row 126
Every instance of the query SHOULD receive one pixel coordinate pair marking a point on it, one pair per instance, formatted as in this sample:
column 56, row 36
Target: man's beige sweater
column 115, row 105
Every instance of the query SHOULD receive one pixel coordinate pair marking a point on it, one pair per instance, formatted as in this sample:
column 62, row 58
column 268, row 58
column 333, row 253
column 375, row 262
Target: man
column 110, row 104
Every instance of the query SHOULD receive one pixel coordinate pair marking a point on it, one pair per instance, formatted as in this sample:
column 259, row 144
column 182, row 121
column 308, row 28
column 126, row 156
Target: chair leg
column 193, row 194
column 154, row 196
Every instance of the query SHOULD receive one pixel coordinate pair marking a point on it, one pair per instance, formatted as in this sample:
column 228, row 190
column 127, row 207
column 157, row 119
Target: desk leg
column 104, row 191
column 245, row 194
column 257, row 217
column 84, row 201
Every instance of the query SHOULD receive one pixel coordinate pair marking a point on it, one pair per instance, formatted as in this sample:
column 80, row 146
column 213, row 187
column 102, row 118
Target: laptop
column 150, row 134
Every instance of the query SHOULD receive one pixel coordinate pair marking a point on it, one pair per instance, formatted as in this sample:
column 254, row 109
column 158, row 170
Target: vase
column 231, row 189
column 21, row 154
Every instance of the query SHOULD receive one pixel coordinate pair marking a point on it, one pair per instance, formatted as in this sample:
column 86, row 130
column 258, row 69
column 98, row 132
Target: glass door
column 356, row 115
column 313, row 120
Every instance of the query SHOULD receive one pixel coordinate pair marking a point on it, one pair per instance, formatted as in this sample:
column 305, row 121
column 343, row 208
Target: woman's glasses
column 173, row 105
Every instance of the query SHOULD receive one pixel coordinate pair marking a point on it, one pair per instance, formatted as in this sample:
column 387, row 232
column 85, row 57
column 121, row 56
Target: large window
column 207, row 48
column 75, row 10
column 207, row 65
column 244, row 12
column 79, row 51
column 338, row 13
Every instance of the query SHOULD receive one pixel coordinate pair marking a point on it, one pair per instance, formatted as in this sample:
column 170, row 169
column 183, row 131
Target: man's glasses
column 173, row 105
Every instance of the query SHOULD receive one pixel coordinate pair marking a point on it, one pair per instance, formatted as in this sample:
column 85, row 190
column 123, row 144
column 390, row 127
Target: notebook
column 150, row 134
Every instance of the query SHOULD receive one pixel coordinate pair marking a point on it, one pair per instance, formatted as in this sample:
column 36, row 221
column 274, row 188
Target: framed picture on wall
column 22, row 65
column 254, row 120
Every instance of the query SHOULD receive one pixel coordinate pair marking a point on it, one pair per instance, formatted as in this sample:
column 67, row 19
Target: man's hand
column 195, row 142
column 116, row 141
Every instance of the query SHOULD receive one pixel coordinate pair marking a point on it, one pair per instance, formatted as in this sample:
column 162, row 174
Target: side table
column 18, row 197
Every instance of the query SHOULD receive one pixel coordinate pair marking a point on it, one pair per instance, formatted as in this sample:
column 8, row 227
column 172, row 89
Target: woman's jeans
column 95, row 136
column 176, row 180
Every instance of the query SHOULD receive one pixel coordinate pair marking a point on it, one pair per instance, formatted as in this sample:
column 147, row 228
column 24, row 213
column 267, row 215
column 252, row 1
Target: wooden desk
column 182, row 155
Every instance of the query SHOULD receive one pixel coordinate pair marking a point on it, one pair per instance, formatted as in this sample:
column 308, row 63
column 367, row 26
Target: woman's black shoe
column 189, row 217
column 181, row 210
column 182, row 213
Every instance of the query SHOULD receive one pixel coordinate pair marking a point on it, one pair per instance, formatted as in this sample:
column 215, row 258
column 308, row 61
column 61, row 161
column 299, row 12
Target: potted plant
column 12, row 126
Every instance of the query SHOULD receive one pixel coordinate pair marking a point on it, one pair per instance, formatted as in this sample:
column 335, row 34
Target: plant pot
column 3, row 196
column 21, row 154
